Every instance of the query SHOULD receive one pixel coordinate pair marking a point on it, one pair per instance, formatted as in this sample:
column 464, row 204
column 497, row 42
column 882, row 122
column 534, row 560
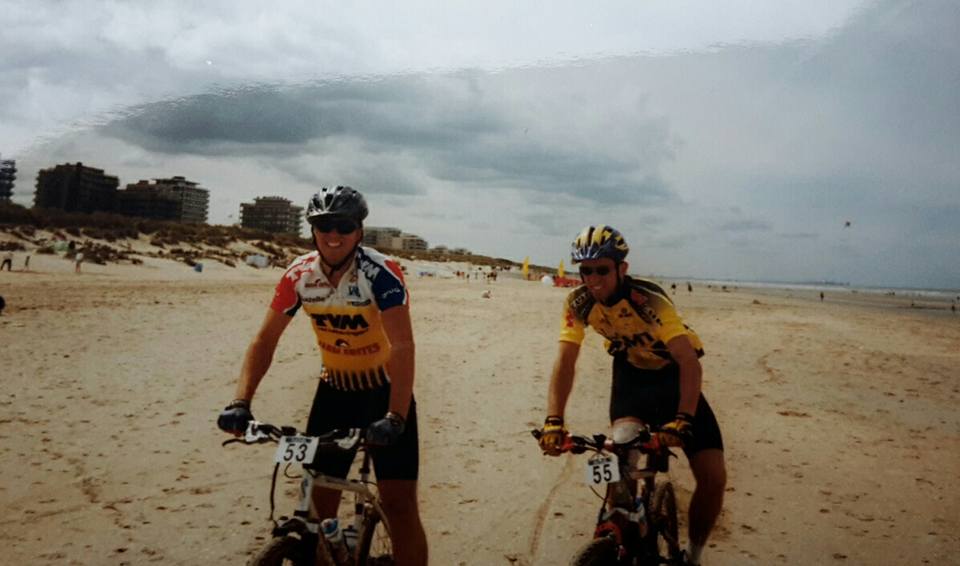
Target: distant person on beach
column 821, row 296
column 78, row 260
column 7, row 261
column 26, row 263
column 657, row 374
column 357, row 303
column 3, row 304
column 689, row 287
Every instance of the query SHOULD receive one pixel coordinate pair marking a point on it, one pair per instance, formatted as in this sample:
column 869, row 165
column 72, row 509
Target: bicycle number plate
column 603, row 469
column 296, row 449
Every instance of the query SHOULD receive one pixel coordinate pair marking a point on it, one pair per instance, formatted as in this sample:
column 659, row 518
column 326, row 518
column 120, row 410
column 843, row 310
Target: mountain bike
column 631, row 530
column 297, row 540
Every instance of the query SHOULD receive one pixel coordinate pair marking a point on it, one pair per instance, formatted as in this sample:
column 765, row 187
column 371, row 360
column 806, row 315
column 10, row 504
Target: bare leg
column 624, row 430
column 325, row 502
column 709, row 471
column 399, row 500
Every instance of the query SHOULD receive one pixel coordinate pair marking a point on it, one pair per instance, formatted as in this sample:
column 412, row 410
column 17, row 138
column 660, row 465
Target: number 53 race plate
column 603, row 469
column 296, row 449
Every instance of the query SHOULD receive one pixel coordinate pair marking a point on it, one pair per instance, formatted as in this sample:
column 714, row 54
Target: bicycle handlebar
column 339, row 438
column 647, row 441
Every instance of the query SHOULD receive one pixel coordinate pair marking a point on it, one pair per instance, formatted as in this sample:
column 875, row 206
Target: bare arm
column 259, row 354
column 691, row 373
column 561, row 380
column 400, row 367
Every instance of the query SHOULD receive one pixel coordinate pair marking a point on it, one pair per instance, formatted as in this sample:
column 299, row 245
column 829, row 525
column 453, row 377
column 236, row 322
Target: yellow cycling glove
column 681, row 427
column 552, row 435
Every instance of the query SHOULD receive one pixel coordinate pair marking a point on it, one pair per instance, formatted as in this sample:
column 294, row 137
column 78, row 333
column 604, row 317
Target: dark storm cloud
column 457, row 131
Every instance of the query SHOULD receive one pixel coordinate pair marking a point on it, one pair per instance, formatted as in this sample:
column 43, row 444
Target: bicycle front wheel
column 664, row 520
column 598, row 552
column 291, row 551
column 374, row 546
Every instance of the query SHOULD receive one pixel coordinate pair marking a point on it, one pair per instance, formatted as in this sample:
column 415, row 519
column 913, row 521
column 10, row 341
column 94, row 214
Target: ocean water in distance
column 833, row 288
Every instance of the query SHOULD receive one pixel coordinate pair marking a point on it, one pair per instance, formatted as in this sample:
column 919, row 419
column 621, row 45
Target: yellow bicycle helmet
column 595, row 242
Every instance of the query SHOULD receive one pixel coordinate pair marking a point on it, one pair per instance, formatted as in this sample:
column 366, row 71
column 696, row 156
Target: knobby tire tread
column 365, row 542
column 598, row 552
column 289, row 548
column 664, row 511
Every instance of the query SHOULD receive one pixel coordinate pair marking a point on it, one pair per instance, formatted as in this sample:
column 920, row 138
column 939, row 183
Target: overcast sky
column 726, row 139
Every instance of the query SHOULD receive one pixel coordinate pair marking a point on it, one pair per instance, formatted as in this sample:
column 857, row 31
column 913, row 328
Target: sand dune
column 840, row 420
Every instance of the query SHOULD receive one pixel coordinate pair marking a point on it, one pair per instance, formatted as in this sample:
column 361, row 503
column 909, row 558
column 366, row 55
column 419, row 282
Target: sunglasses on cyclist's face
column 342, row 226
column 602, row 270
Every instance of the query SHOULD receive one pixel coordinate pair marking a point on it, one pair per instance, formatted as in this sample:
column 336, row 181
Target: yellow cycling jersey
column 639, row 323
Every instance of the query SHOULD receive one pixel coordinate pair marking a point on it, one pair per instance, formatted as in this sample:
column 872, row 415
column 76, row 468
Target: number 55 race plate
column 296, row 450
column 603, row 469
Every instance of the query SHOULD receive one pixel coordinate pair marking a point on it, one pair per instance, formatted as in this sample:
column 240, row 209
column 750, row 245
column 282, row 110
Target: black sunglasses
column 602, row 271
column 343, row 226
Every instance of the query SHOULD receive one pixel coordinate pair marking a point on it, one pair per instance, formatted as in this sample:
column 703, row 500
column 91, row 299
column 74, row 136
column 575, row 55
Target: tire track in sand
column 544, row 509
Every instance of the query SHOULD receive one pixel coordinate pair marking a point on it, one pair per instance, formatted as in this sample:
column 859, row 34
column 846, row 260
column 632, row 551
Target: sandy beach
column 839, row 417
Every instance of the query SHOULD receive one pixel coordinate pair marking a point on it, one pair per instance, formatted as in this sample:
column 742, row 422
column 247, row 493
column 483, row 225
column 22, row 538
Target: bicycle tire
column 663, row 511
column 374, row 545
column 289, row 550
column 598, row 552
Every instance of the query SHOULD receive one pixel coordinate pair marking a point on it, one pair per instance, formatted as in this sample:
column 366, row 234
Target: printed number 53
column 296, row 449
column 295, row 452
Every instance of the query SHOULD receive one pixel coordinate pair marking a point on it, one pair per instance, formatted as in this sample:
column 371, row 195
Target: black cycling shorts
column 653, row 397
column 334, row 408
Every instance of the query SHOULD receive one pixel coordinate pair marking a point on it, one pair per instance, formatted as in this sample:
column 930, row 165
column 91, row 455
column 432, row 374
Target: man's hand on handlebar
column 552, row 435
column 681, row 427
column 235, row 417
column 386, row 431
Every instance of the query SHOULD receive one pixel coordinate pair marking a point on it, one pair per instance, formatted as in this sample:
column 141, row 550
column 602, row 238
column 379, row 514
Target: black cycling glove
column 235, row 416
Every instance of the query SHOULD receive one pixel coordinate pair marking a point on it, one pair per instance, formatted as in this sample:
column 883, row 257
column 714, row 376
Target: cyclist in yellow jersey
column 657, row 374
column 358, row 307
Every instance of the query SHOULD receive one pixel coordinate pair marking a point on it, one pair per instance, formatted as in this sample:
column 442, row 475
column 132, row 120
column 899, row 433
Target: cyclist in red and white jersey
column 358, row 307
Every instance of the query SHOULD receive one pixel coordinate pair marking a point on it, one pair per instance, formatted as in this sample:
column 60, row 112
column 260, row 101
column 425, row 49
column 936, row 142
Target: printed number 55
column 602, row 473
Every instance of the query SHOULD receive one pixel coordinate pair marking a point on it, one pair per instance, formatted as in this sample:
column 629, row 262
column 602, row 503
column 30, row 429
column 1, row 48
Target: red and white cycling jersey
column 346, row 319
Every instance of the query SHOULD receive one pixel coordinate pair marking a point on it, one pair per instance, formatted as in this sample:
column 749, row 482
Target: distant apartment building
column 383, row 238
column 175, row 199
column 271, row 214
column 440, row 250
column 409, row 242
column 380, row 238
column 75, row 187
column 8, row 174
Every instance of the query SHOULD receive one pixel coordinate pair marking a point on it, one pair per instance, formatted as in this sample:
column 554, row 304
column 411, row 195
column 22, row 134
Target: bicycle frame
column 305, row 518
column 619, row 500
column 619, row 518
column 359, row 487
